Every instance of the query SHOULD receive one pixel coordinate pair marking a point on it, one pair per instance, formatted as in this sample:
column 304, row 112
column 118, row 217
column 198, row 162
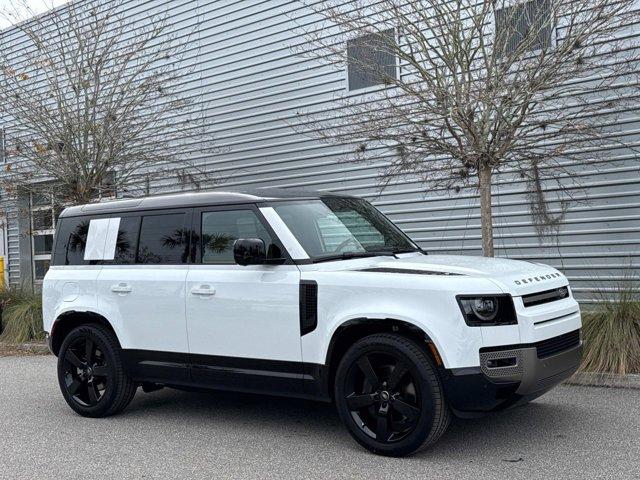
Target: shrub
column 21, row 315
column 611, row 332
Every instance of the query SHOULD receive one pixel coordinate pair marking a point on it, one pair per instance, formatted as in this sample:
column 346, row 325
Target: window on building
column 44, row 213
column 107, row 187
column 163, row 239
column 524, row 21
column 370, row 60
column 222, row 228
column 3, row 145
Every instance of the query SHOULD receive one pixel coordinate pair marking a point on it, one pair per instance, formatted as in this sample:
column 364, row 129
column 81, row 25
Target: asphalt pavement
column 571, row 432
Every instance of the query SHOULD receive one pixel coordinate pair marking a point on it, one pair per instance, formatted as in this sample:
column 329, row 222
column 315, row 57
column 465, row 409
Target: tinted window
column 71, row 241
column 127, row 241
column 221, row 229
column 163, row 239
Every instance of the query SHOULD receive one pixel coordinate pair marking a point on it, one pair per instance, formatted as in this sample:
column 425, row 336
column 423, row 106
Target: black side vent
column 308, row 306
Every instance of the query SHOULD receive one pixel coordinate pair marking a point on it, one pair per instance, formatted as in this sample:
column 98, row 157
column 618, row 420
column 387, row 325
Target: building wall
column 254, row 88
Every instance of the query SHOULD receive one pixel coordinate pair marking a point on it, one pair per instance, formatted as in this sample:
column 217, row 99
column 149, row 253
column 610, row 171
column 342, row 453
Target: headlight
column 488, row 310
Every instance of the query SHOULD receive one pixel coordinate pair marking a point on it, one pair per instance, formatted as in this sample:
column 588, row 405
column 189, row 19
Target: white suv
column 299, row 294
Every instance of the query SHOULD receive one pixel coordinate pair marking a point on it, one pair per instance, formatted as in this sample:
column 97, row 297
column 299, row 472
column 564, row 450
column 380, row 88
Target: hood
column 514, row 276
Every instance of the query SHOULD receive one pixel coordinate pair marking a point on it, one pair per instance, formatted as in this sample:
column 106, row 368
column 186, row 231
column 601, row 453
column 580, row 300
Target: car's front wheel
column 91, row 372
column 389, row 396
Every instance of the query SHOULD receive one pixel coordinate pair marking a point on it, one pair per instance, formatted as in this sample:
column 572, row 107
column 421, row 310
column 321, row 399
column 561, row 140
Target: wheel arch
column 353, row 330
column 67, row 321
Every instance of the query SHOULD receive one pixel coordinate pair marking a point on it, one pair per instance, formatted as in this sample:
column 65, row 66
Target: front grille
column 552, row 346
column 547, row 296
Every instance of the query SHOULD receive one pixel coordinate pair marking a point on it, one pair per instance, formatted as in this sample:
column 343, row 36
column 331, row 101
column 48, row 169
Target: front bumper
column 509, row 376
column 526, row 366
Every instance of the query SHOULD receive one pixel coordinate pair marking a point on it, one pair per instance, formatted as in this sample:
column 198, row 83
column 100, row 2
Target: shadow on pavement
column 527, row 426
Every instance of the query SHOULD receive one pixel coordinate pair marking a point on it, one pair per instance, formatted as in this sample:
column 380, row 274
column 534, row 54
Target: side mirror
column 249, row 251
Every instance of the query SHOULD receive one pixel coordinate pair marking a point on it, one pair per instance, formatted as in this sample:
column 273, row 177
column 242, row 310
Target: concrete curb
column 604, row 380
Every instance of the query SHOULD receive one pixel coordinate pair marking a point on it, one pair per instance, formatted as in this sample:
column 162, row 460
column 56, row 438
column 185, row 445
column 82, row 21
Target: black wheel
column 91, row 373
column 389, row 396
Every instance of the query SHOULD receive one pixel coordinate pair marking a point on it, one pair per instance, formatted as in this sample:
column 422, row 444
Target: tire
column 91, row 372
column 389, row 395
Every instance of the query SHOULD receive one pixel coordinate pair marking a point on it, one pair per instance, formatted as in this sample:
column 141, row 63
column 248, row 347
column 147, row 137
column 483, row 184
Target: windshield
column 336, row 227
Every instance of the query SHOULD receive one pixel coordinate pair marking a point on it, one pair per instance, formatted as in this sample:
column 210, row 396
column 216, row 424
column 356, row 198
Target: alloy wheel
column 86, row 373
column 382, row 396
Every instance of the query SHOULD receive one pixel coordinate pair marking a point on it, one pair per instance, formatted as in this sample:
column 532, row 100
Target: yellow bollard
column 1, row 273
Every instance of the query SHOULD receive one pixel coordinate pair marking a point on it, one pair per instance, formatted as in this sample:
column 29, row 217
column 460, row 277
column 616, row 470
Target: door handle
column 121, row 288
column 203, row 291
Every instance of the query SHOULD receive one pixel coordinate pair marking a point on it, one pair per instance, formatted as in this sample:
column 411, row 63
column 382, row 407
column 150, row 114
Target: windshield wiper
column 398, row 250
column 350, row 255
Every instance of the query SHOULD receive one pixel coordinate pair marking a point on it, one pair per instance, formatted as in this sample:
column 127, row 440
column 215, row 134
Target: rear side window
column 127, row 241
column 163, row 239
column 71, row 241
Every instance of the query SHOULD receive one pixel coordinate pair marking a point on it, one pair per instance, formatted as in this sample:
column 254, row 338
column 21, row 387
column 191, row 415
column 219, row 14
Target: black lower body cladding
column 510, row 376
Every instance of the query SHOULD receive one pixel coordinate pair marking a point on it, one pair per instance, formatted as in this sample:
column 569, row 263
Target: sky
column 38, row 6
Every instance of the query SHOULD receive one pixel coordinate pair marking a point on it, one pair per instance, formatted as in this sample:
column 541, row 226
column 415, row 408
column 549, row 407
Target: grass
column 611, row 332
column 21, row 315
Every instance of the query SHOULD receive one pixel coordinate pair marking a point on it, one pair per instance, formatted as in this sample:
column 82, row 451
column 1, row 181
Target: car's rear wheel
column 389, row 396
column 91, row 372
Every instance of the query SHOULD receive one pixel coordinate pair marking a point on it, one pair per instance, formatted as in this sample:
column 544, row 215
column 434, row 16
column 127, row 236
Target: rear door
column 243, row 321
column 142, row 290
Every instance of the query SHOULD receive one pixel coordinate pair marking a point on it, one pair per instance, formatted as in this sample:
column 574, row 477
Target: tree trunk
column 486, row 214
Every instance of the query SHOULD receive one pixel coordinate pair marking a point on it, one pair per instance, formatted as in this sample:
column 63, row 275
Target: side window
column 127, row 241
column 222, row 228
column 71, row 241
column 163, row 239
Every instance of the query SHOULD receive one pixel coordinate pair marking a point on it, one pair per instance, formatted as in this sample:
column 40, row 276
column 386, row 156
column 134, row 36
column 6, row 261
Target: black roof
column 195, row 199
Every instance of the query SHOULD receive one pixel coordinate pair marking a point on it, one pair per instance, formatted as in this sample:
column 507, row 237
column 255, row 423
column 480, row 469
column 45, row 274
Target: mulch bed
column 24, row 349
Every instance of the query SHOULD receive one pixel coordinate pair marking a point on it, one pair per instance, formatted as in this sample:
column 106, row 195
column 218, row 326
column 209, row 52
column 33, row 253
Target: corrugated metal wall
column 254, row 88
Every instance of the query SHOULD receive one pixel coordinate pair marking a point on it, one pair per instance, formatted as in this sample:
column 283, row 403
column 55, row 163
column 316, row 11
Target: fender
column 66, row 319
column 426, row 303
column 392, row 322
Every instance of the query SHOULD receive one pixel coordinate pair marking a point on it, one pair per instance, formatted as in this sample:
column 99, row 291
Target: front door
column 242, row 321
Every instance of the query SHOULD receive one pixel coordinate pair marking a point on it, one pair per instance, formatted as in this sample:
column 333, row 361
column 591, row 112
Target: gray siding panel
column 254, row 89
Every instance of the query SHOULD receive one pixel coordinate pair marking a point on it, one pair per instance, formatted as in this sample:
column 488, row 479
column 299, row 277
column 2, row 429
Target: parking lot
column 572, row 432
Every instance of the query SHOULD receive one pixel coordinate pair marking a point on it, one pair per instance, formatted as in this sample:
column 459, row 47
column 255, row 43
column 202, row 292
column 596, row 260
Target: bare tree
column 469, row 88
column 94, row 100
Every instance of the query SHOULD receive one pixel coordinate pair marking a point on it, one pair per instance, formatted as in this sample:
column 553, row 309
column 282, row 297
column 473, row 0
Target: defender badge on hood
column 539, row 278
